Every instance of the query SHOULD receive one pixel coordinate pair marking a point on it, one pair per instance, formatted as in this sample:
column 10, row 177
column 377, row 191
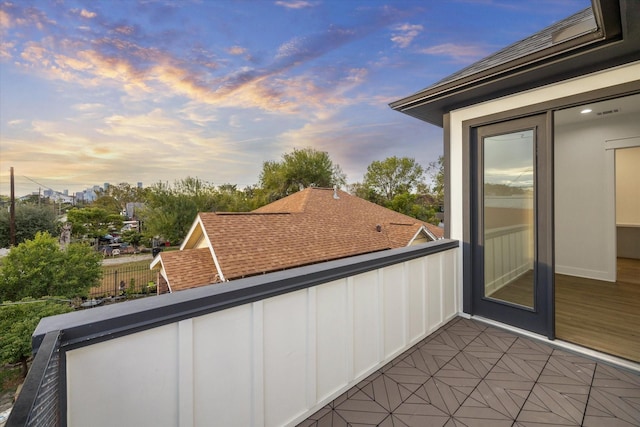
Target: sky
column 159, row 90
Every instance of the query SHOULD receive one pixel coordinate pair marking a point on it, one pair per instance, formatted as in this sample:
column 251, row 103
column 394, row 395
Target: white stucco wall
column 600, row 80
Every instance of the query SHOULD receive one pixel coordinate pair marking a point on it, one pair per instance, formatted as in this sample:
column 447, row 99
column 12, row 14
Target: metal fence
column 120, row 281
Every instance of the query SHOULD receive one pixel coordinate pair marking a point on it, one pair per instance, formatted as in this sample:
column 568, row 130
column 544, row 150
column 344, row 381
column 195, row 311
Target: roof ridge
column 251, row 213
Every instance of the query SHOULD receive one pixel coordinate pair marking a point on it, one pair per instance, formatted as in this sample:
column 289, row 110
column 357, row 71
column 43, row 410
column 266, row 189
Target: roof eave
column 568, row 59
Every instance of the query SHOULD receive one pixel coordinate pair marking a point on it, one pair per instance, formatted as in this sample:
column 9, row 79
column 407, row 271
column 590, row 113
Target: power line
column 41, row 185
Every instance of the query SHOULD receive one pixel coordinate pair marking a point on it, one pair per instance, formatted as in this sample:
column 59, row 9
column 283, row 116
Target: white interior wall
column 584, row 195
column 628, row 186
column 600, row 80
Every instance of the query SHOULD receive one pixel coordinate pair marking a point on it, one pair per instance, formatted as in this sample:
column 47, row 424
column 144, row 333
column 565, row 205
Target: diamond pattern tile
column 467, row 374
column 614, row 398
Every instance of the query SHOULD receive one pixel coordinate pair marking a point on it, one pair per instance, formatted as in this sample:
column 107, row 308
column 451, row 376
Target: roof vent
column 378, row 228
column 608, row 112
column 335, row 192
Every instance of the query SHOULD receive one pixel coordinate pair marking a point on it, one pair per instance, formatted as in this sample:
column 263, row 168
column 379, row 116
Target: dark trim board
column 615, row 42
column 23, row 412
column 103, row 323
column 446, row 152
column 533, row 318
column 548, row 108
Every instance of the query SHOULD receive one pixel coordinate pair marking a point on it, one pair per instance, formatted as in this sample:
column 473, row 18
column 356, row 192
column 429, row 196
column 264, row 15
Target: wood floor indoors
column 601, row 315
column 604, row 316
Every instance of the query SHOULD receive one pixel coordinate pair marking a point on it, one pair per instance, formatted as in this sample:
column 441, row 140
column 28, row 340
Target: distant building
column 132, row 209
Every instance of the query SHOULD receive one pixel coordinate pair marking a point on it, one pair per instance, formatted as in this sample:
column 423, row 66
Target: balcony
column 366, row 337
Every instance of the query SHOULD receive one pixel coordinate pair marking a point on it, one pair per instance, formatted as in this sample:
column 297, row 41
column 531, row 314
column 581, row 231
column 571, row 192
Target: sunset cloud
column 158, row 90
column 405, row 33
column 237, row 50
column 85, row 13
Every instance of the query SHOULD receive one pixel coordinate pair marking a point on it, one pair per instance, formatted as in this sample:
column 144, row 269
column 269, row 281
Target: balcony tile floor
column 470, row 374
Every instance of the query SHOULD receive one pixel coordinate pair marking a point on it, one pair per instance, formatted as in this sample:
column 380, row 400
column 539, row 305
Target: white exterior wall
column 600, row 80
column 268, row 363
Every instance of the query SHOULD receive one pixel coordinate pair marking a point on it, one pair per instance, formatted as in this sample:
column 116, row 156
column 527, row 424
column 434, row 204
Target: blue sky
column 158, row 90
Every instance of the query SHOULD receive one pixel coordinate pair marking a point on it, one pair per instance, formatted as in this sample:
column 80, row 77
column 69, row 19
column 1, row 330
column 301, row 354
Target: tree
column 93, row 222
column 299, row 169
column 38, row 267
column 18, row 321
column 393, row 176
column 229, row 199
column 170, row 210
column 436, row 172
column 133, row 237
column 29, row 220
column 413, row 206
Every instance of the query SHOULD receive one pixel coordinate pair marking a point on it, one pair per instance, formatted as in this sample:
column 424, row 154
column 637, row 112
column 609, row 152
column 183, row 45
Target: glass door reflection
column 508, row 230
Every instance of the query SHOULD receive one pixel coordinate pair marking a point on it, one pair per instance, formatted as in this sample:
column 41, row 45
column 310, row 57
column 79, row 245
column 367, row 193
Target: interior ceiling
column 625, row 105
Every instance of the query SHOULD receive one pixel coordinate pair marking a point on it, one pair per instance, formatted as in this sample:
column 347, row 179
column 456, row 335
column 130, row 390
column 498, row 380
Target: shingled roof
column 310, row 226
column 184, row 272
column 572, row 26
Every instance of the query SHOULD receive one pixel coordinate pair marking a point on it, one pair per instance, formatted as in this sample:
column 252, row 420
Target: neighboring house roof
column 310, row 226
column 187, row 272
column 597, row 38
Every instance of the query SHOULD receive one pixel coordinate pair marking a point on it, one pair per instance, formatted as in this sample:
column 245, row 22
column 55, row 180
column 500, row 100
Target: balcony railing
column 262, row 351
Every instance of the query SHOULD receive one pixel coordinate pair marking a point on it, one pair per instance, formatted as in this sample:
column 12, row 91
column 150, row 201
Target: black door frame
column 547, row 108
column 536, row 318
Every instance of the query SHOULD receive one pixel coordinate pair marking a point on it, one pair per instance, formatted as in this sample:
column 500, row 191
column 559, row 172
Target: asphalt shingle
column 310, row 226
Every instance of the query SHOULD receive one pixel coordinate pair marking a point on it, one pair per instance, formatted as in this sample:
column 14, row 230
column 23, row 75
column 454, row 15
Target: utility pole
column 12, row 213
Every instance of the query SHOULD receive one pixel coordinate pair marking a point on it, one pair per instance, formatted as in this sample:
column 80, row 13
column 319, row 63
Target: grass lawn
column 9, row 378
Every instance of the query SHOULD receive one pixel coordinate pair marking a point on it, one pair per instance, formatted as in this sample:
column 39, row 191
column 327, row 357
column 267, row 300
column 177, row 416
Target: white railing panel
column 434, row 291
column 333, row 334
column 448, row 283
column 417, row 304
column 285, row 357
column 366, row 323
column 267, row 363
column 127, row 381
column 223, row 380
column 394, row 309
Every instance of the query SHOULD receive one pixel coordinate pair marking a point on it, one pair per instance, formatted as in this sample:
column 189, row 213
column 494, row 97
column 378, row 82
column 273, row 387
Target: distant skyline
column 158, row 90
